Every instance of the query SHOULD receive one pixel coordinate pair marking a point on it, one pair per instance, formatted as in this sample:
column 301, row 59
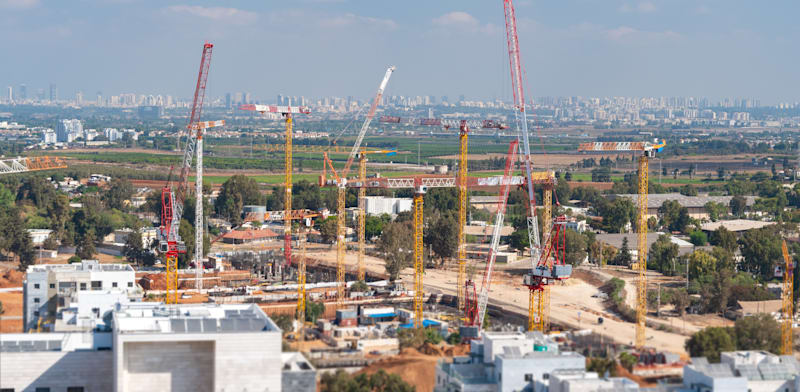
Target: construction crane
column 787, row 296
column 362, row 209
column 521, row 115
column 647, row 150
column 463, row 196
column 550, row 267
column 22, row 165
column 286, row 112
column 502, row 201
column 341, row 182
column 172, row 201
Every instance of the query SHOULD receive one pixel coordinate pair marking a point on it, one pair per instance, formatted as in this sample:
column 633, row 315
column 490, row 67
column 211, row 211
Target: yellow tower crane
column 463, row 196
column 419, row 293
column 648, row 150
column 788, row 302
column 362, row 211
column 286, row 112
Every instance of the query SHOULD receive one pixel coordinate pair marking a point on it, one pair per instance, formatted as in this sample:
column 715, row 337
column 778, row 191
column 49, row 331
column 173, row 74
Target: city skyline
column 333, row 48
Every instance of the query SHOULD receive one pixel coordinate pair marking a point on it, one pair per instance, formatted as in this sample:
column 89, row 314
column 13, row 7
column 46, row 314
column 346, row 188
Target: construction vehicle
column 341, row 183
column 647, row 150
column 787, row 297
column 172, row 200
column 22, row 165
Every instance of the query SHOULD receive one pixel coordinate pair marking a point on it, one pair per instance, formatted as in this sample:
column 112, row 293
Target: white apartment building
column 50, row 288
column 153, row 347
column 68, row 130
column 379, row 205
column 49, row 136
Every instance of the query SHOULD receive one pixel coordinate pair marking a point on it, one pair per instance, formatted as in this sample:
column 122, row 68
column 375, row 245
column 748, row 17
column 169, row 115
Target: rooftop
column 655, row 200
column 250, row 234
column 85, row 265
column 615, row 240
column 736, row 225
column 195, row 318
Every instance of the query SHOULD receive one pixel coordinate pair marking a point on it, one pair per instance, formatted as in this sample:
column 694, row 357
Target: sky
column 315, row 48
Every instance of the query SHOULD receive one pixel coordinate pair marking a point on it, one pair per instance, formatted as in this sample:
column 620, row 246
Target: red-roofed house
column 247, row 236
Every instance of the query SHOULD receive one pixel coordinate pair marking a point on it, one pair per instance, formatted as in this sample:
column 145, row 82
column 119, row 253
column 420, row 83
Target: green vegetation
column 380, row 381
column 760, row 332
column 614, row 288
column 418, row 337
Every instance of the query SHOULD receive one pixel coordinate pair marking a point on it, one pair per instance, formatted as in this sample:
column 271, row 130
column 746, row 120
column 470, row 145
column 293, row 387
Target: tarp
column 382, row 315
column 425, row 323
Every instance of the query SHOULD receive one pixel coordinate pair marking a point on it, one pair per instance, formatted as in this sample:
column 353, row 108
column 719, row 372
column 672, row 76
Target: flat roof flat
column 194, row 318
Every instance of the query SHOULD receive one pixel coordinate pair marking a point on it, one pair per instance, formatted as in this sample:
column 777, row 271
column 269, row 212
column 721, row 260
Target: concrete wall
column 56, row 370
column 174, row 366
column 240, row 360
column 512, row 371
column 693, row 379
column 299, row 381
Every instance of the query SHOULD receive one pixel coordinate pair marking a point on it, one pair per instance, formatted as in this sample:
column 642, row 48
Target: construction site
column 282, row 280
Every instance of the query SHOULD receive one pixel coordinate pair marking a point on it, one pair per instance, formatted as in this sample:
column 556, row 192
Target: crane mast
column 341, row 247
column 787, row 296
column 515, row 63
column 648, row 150
column 483, row 296
column 172, row 202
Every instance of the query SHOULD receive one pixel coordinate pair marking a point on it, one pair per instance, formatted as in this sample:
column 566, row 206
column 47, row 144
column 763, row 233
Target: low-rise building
column 696, row 205
column 49, row 288
column 153, row 347
column 506, row 362
column 743, row 371
column 379, row 205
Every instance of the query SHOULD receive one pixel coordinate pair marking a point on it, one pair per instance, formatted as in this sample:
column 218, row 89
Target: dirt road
column 572, row 303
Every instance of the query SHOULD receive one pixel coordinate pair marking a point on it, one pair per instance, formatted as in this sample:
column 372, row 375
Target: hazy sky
column 713, row 48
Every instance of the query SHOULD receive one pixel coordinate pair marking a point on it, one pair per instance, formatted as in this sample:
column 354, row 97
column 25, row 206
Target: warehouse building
column 695, row 204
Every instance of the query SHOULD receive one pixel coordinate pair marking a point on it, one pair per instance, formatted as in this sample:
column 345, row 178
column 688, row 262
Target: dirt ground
column 11, row 319
column 572, row 303
column 415, row 367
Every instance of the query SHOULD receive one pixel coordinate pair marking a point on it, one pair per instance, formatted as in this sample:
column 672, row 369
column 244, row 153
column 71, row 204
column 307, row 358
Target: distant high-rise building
column 10, row 96
column 40, row 94
column 23, row 92
column 248, row 98
column 228, row 100
column 99, row 98
column 53, row 92
column 68, row 130
column 444, row 99
column 239, row 98
column 461, row 98
column 79, row 97
column 280, row 99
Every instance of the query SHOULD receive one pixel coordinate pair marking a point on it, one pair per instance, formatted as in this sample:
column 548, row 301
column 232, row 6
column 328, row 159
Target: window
column 113, row 284
column 36, row 300
column 36, row 285
column 130, row 284
column 35, row 314
column 6, row 389
column 96, row 311
column 83, row 286
column 529, row 377
column 74, row 389
column 52, row 285
column 546, row 376
column 97, row 285
column 42, row 389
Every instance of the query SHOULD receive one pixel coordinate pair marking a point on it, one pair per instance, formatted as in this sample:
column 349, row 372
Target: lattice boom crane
column 787, row 296
column 648, row 150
